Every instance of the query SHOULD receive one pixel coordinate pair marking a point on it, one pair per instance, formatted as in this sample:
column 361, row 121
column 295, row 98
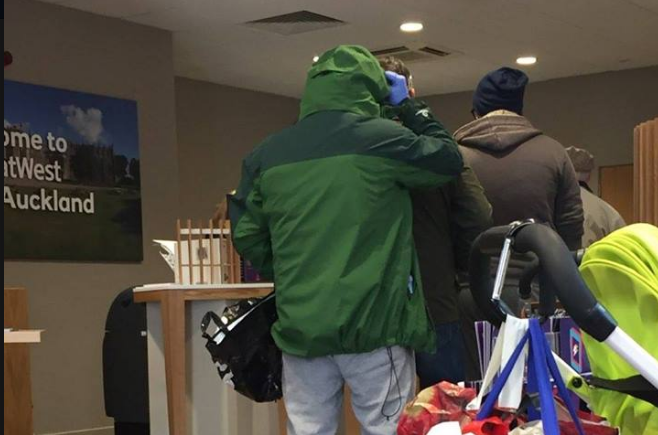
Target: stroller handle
column 558, row 274
column 532, row 269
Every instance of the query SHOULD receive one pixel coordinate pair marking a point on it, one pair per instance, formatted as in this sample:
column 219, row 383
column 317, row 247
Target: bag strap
column 541, row 366
column 636, row 386
column 539, row 380
column 510, row 334
column 492, row 370
column 512, row 393
column 490, row 402
column 205, row 324
column 547, row 368
column 559, row 381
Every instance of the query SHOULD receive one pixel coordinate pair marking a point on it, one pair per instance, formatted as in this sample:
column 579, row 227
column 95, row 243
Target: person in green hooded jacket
column 324, row 209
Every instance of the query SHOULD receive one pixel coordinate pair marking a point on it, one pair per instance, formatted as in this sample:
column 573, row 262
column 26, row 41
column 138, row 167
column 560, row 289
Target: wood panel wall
column 646, row 172
column 616, row 185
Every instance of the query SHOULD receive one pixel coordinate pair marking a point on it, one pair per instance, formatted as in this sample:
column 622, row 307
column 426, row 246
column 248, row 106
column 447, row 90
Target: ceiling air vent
column 411, row 55
column 295, row 23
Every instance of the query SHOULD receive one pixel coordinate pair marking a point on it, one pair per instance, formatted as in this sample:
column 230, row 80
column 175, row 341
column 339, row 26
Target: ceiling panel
column 120, row 8
column 569, row 37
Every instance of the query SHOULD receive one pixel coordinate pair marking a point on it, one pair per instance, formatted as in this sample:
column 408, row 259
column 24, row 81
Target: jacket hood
column 496, row 133
column 346, row 78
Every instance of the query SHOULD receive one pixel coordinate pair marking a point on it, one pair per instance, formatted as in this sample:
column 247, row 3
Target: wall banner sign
column 72, row 176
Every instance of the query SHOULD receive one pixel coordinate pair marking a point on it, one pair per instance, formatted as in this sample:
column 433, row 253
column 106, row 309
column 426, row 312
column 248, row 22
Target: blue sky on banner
column 79, row 117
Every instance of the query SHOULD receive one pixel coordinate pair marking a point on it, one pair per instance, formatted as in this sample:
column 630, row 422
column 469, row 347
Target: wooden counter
column 18, row 385
column 173, row 299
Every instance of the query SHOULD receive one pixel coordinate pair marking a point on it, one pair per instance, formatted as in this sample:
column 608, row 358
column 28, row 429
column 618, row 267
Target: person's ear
column 412, row 93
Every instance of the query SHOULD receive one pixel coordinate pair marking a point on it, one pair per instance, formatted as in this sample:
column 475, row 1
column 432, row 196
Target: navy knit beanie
column 500, row 89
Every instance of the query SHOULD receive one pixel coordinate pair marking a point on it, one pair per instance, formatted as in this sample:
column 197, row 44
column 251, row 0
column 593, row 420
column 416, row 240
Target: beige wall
column 597, row 112
column 217, row 127
column 74, row 50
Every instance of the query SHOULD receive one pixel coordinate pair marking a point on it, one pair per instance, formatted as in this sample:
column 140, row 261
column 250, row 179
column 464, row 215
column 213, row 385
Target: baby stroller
column 613, row 299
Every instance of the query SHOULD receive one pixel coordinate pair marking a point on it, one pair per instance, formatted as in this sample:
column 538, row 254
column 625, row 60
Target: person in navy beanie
column 525, row 174
column 503, row 88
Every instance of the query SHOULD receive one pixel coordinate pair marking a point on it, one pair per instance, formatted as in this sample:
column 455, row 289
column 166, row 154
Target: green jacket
column 324, row 209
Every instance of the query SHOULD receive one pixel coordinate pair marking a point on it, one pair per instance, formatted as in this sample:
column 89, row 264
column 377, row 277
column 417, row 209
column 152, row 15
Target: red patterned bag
column 434, row 405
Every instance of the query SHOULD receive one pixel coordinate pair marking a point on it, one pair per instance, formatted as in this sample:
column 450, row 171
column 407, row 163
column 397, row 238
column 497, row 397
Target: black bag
column 243, row 350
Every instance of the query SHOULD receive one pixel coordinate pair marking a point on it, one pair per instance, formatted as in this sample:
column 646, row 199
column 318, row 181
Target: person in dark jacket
column 601, row 218
column 324, row 209
column 446, row 221
column 525, row 174
column 125, row 366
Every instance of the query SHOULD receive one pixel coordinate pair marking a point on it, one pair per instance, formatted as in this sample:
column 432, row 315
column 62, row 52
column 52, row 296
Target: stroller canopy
column 622, row 273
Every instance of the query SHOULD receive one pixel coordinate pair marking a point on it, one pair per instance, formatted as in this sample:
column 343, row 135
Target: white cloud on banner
column 88, row 124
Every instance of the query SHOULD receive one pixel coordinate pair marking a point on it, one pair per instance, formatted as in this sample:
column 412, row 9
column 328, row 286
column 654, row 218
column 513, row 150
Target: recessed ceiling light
column 411, row 26
column 316, row 58
column 526, row 60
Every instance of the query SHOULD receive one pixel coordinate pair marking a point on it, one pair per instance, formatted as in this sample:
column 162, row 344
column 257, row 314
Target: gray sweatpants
column 382, row 382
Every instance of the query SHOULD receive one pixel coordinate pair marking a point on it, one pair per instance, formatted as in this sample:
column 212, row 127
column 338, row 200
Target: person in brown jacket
column 525, row 174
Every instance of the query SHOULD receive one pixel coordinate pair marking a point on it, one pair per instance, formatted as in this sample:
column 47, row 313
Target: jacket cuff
column 416, row 115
